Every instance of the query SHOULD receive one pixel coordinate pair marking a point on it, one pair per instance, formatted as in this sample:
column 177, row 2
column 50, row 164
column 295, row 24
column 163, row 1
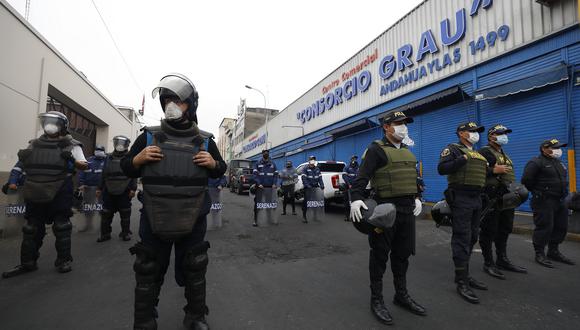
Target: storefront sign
column 254, row 143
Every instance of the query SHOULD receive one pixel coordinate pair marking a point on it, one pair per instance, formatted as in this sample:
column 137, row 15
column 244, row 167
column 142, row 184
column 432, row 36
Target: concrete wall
column 30, row 68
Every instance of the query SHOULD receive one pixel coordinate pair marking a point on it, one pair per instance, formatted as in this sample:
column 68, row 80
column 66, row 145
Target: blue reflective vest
column 265, row 173
column 350, row 174
column 312, row 178
column 92, row 175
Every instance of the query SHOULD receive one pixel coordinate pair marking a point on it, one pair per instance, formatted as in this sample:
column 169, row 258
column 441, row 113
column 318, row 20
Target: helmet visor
column 48, row 118
column 177, row 85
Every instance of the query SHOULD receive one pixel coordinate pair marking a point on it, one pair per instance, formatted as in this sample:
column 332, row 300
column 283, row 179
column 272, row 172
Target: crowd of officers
column 177, row 161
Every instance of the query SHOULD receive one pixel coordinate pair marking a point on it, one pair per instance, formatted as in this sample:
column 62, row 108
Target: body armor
column 399, row 176
column 504, row 179
column 473, row 173
column 174, row 188
column 115, row 180
column 46, row 163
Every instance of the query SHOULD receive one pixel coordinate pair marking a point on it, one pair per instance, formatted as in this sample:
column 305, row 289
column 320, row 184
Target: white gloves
column 355, row 213
column 418, row 207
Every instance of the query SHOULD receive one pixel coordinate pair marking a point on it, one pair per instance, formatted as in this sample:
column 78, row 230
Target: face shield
column 121, row 143
column 52, row 124
column 179, row 86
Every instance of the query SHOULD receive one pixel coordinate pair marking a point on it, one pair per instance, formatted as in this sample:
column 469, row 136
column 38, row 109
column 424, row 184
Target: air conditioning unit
column 547, row 3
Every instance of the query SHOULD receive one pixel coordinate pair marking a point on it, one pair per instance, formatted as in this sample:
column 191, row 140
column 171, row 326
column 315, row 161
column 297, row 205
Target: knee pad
column 196, row 259
column 125, row 213
column 146, row 265
column 107, row 214
column 29, row 230
column 61, row 227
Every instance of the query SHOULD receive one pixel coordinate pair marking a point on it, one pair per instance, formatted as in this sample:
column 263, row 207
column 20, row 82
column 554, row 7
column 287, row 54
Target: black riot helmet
column 517, row 194
column 572, row 201
column 121, row 143
column 49, row 120
column 100, row 147
column 176, row 84
column 441, row 213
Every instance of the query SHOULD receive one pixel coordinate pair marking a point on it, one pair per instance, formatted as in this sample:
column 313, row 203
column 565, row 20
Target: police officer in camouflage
column 547, row 178
column 466, row 171
column 117, row 191
column 390, row 167
column 174, row 161
column 497, row 224
column 49, row 163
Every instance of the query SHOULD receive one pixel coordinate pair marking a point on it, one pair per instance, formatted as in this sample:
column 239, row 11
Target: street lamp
column 265, row 109
column 302, row 128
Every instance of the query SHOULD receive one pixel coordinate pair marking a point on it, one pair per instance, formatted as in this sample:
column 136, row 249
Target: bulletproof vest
column 473, row 173
column 174, row 188
column 501, row 159
column 552, row 179
column 399, row 176
column 116, row 181
column 46, row 163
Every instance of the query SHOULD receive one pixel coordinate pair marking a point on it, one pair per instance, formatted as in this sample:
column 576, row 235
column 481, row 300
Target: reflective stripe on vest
column 473, row 173
column 399, row 176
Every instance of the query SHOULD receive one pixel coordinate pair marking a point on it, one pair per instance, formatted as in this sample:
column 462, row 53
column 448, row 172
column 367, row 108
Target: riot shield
column 12, row 217
column 90, row 208
column 214, row 219
column 314, row 204
column 266, row 205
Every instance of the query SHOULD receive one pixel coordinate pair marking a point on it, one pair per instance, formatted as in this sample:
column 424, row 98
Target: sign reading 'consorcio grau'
column 408, row 60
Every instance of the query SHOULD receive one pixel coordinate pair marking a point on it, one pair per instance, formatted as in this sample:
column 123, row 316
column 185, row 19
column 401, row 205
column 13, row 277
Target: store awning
column 357, row 126
column 311, row 145
column 528, row 83
column 443, row 98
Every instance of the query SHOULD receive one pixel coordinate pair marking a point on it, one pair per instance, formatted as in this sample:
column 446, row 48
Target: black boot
column 19, row 270
column 147, row 288
column 463, row 288
column 378, row 304
column 104, row 238
column 489, row 266
column 126, row 233
column 106, row 220
column 555, row 254
column 62, row 229
column 503, row 262
column 473, row 283
column 293, row 210
column 63, row 266
column 28, row 252
column 492, row 270
column 541, row 257
column 403, row 299
column 195, row 266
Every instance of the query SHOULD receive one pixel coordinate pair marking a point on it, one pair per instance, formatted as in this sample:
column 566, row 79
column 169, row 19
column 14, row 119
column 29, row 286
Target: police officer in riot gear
column 265, row 176
column 546, row 177
column 91, row 179
column 390, row 167
column 498, row 223
column 174, row 161
column 49, row 162
column 288, row 178
column 466, row 171
column 311, row 178
column 117, row 191
column 349, row 176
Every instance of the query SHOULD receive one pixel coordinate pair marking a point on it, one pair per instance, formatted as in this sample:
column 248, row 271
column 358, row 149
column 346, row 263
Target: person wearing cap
column 546, row 177
column 265, row 176
column 174, row 161
column 49, row 163
column 89, row 179
column 311, row 178
column 466, row 171
column 288, row 179
column 349, row 176
column 497, row 224
column 117, row 190
column 390, row 167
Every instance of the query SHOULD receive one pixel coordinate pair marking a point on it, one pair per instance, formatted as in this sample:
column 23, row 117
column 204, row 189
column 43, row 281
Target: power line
column 27, row 10
column 117, row 47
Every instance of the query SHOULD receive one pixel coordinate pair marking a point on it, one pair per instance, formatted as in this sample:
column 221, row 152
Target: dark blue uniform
column 266, row 175
column 217, row 182
column 311, row 178
column 92, row 176
column 349, row 177
column 17, row 176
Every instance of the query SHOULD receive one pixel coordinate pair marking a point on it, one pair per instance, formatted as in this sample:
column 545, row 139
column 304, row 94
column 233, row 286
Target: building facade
column 249, row 120
column 224, row 144
column 446, row 62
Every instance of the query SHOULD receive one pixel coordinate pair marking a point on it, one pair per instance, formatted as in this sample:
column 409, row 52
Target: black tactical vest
column 116, row 182
column 174, row 188
column 552, row 179
column 46, row 163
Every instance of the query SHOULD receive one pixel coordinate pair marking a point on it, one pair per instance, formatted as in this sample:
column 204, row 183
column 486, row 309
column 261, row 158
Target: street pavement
column 290, row 276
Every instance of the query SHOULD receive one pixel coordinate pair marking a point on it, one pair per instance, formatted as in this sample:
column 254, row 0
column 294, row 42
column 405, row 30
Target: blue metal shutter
column 344, row 148
column 534, row 117
column 437, row 130
column 322, row 153
column 575, row 100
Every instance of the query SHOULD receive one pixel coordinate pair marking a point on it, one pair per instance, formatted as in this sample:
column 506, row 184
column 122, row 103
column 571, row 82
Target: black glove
column 5, row 188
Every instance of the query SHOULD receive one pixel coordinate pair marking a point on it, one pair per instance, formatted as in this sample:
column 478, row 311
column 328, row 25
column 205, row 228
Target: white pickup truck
column 331, row 172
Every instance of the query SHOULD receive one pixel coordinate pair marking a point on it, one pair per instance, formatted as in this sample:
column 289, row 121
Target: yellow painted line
column 572, row 168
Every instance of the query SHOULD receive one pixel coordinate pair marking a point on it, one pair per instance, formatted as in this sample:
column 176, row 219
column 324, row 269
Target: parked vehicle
column 331, row 172
column 236, row 164
column 241, row 180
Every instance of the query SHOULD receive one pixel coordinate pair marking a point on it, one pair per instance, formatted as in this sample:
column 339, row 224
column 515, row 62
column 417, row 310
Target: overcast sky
column 280, row 47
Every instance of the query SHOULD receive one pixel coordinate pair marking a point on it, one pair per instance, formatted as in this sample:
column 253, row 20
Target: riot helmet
column 379, row 215
column 441, row 213
column 517, row 194
column 53, row 123
column 100, row 151
column 121, row 143
column 178, row 86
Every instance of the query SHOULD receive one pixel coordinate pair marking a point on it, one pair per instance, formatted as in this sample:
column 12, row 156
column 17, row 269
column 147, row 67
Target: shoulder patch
column 446, row 152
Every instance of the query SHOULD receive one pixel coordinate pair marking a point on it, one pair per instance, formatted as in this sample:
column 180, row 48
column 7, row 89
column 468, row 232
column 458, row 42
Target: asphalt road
column 290, row 276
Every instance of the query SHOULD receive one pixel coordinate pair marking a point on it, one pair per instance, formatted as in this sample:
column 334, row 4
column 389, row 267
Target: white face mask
column 120, row 148
column 502, row 139
column 312, row 162
column 401, row 132
column 51, row 129
column 473, row 137
column 100, row 154
column 172, row 111
column 557, row 153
